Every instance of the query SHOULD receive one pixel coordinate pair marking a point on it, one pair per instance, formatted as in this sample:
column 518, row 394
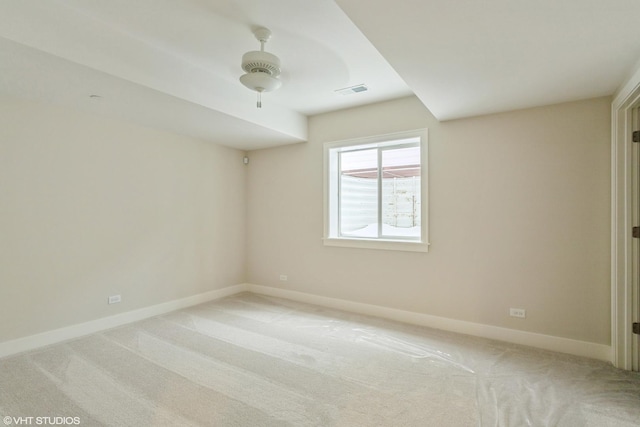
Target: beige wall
column 91, row 207
column 519, row 217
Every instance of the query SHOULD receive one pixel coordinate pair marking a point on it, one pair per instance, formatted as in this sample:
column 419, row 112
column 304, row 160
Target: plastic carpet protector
column 252, row 360
column 514, row 385
column 527, row 388
column 522, row 386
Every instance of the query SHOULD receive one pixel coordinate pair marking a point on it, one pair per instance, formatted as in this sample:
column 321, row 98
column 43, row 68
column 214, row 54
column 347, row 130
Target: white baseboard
column 547, row 342
column 20, row 345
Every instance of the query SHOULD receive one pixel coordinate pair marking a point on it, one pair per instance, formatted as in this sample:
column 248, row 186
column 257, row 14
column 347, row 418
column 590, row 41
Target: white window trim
column 421, row 245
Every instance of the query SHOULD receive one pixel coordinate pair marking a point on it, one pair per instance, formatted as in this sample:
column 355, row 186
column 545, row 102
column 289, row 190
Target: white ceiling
column 468, row 57
column 175, row 65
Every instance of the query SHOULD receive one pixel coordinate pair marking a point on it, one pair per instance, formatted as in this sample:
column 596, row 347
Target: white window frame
column 331, row 178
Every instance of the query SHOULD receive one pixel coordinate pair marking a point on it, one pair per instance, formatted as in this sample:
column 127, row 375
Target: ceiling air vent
column 352, row 89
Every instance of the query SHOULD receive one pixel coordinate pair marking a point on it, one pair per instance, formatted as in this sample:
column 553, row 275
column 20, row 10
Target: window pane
column 359, row 193
column 401, row 192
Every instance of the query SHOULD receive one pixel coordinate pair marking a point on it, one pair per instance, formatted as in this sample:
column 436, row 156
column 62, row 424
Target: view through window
column 380, row 192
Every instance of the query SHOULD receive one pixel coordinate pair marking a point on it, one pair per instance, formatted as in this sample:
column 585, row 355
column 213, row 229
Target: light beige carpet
column 254, row 361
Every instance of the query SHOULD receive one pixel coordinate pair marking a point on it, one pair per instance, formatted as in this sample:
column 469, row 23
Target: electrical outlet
column 518, row 312
column 114, row 299
column 283, row 278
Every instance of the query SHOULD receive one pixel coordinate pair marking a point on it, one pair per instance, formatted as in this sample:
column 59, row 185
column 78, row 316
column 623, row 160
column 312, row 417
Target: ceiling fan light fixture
column 260, row 82
column 262, row 68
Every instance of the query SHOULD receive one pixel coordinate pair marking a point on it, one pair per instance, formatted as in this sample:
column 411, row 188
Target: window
column 375, row 192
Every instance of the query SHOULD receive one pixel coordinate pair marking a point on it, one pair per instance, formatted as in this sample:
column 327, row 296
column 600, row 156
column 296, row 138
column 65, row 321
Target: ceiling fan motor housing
column 261, row 62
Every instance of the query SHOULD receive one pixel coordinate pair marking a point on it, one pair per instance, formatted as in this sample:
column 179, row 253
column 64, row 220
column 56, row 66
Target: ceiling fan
column 262, row 68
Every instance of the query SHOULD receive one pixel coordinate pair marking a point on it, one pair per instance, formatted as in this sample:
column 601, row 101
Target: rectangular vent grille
column 352, row 89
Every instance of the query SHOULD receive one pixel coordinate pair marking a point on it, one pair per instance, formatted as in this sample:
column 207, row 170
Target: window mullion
column 379, row 192
column 339, row 231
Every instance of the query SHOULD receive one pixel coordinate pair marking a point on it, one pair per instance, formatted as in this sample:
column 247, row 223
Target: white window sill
column 388, row 245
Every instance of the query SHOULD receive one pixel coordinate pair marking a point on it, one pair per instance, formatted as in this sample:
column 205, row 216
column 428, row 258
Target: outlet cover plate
column 518, row 312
